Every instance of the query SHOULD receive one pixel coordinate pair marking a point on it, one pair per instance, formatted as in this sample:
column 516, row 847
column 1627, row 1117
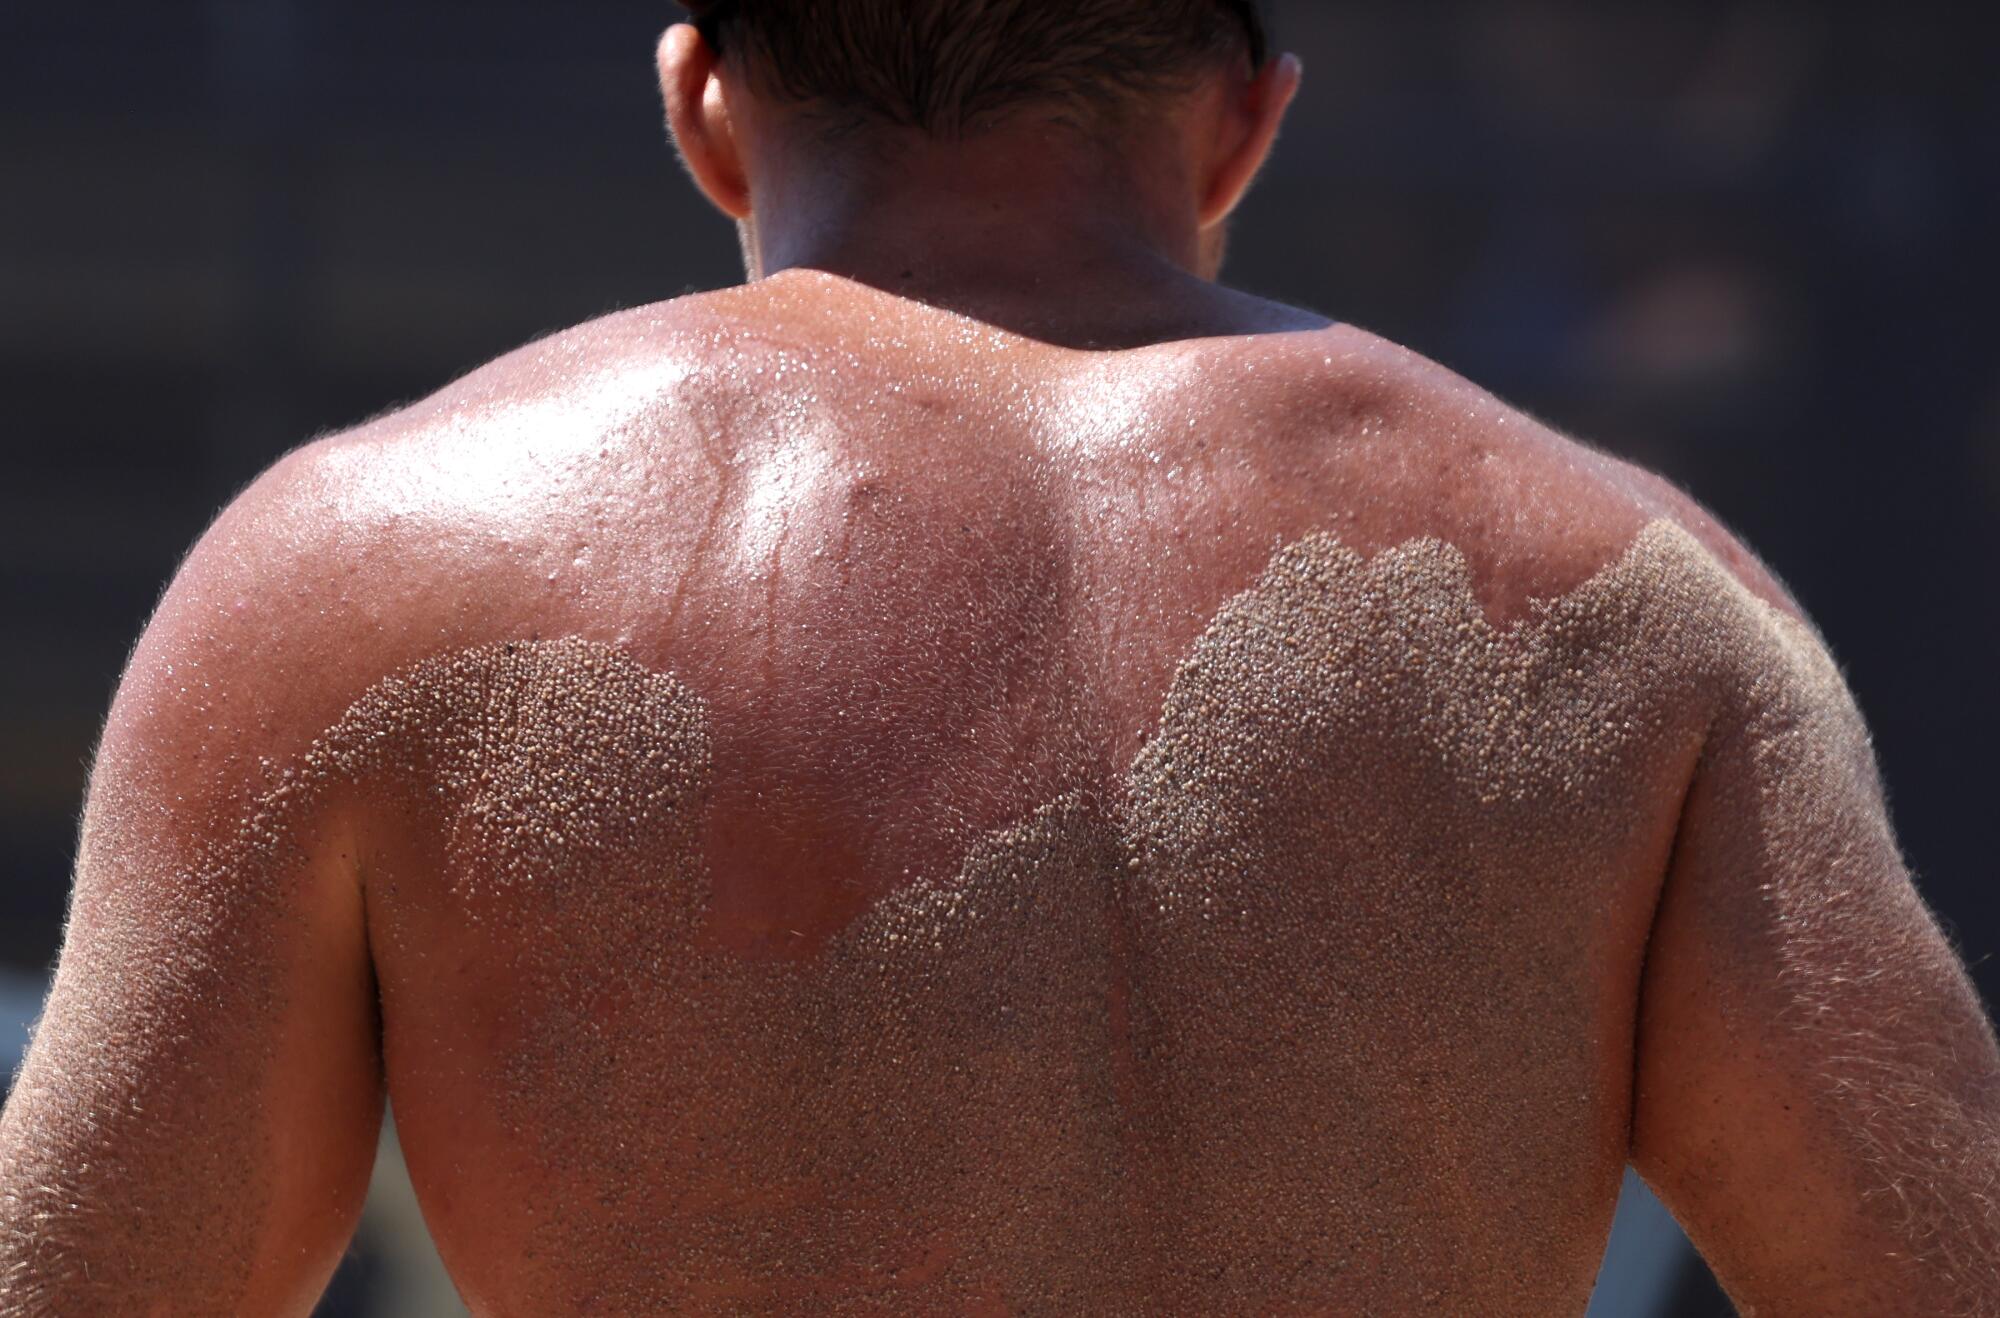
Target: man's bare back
column 977, row 826
column 1052, row 871
column 1113, row 797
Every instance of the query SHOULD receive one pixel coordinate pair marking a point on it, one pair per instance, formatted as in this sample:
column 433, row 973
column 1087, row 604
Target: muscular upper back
column 874, row 813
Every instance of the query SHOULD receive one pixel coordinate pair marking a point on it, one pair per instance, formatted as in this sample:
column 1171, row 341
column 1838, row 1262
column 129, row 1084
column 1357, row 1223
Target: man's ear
column 1244, row 141
column 698, row 115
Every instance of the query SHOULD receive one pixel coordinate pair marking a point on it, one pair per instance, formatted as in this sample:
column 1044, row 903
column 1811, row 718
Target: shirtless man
column 982, row 772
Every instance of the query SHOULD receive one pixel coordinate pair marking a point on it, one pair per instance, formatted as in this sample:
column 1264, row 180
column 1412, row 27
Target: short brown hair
column 949, row 67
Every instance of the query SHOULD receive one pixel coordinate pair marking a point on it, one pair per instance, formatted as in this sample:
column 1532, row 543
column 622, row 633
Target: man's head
column 950, row 67
column 1172, row 104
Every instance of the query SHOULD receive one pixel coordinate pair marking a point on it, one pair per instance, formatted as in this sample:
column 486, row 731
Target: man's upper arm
column 193, row 1127
column 1818, row 1090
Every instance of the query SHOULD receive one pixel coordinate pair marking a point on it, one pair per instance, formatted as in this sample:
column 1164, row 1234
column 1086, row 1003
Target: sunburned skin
column 1248, row 826
column 1248, row 1031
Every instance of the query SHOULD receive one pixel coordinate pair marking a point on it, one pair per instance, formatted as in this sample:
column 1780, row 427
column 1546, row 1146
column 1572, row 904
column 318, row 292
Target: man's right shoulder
column 1533, row 500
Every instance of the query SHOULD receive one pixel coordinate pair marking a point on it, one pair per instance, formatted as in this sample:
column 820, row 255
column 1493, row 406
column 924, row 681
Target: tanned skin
column 797, row 600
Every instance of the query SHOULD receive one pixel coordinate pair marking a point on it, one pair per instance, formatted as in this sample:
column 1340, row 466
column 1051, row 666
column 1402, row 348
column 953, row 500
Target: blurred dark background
column 1749, row 245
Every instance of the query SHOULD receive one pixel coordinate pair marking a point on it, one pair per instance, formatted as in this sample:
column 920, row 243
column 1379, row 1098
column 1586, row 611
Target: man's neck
column 1097, row 288
column 1033, row 229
